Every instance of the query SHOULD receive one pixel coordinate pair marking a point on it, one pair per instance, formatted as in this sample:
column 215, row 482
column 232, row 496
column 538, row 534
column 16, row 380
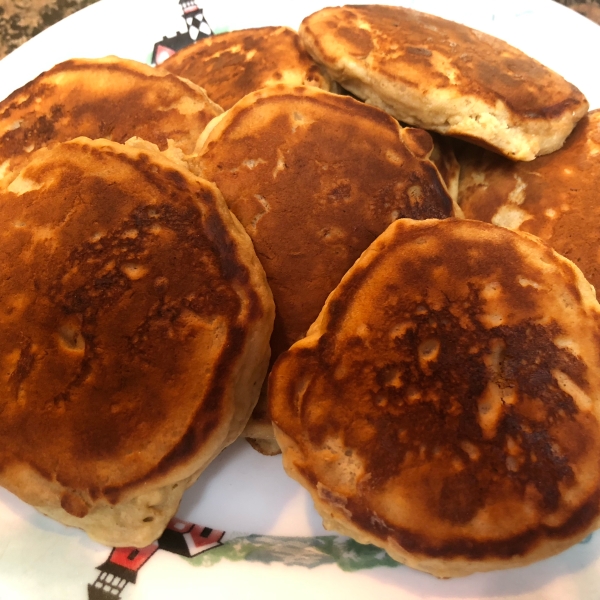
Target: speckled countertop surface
column 22, row 19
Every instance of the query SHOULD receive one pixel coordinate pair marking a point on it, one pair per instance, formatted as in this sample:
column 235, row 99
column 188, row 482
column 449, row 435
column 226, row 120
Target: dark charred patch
column 24, row 365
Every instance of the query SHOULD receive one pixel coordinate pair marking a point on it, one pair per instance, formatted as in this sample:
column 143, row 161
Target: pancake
column 135, row 324
column 108, row 98
column 445, row 405
column 443, row 76
column 554, row 197
column 231, row 65
column 314, row 178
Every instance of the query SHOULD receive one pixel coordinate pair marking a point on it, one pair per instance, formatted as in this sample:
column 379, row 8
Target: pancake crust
column 231, row 65
column 135, row 324
column 433, row 73
column 110, row 98
column 314, row 178
column 445, row 404
column 555, row 197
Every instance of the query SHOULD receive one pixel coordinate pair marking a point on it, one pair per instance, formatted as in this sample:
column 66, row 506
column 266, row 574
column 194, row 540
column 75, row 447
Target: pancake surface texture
column 314, row 178
column 231, row 65
column 136, row 322
column 108, row 98
column 443, row 76
column 554, row 197
column 445, row 404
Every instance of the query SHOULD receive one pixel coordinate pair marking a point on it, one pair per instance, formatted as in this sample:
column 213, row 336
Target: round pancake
column 445, row 404
column 108, row 98
column 314, row 178
column 433, row 73
column 135, row 335
column 231, row 65
column 554, row 197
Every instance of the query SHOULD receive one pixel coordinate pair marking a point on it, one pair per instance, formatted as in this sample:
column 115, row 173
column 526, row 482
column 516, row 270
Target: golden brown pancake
column 445, row 405
column 554, row 197
column 108, row 98
column 314, row 178
column 135, row 324
column 443, row 76
column 231, row 65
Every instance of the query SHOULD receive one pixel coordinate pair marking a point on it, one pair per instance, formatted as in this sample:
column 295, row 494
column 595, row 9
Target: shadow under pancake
column 242, row 490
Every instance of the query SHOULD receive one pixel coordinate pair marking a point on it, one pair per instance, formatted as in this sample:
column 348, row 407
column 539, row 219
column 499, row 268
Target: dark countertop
column 22, row 19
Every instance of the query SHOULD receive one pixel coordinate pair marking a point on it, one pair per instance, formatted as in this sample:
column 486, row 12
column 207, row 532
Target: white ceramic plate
column 291, row 556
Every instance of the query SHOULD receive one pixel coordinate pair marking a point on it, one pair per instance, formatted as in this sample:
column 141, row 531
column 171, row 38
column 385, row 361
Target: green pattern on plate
column 307, row 552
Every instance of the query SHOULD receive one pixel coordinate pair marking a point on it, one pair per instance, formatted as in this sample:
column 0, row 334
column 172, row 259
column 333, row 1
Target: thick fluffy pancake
column 135, row 335
column 231, row 65
column 445, row 405
column 108, row 98
column 446, row 77
column 315, row 178
column 554, row 197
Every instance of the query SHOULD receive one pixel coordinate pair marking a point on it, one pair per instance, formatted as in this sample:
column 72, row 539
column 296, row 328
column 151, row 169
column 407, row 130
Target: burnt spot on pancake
column 458, row 371
column 123, row 287
column 22, row 367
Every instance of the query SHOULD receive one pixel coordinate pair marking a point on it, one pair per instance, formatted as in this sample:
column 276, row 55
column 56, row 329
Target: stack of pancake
column 434, row 381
